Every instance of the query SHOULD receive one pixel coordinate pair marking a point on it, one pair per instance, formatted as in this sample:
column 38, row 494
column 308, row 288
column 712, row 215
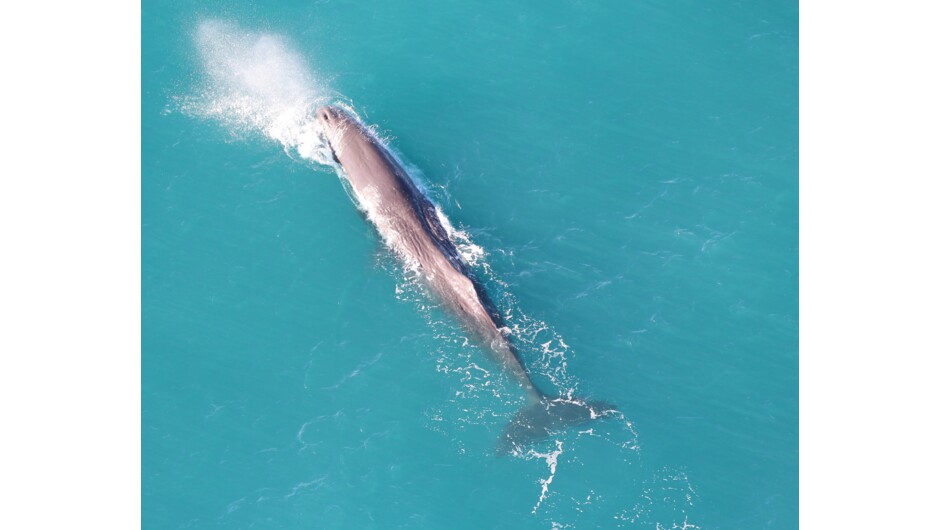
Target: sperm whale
column 409, row 224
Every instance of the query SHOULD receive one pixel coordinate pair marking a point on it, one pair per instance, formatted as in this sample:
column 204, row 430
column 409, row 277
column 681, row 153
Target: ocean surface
column 621, row 175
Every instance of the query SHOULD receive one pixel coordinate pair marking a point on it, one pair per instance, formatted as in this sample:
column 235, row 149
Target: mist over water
column 255, row 82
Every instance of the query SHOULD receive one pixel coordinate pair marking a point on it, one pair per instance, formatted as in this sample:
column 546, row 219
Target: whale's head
column 329, row 116
column 334, row 122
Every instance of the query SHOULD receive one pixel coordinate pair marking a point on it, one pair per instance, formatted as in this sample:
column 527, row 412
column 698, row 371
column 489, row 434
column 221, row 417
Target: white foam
column 471, row 253
column 551, row 459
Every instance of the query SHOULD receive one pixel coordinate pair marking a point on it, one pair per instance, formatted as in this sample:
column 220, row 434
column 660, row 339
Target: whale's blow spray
column 254, row 82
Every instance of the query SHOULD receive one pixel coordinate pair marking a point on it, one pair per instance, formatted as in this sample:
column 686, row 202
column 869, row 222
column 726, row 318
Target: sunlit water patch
column 257, row 85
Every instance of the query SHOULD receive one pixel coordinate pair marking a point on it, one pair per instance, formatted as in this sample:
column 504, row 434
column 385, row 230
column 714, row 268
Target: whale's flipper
column 547, row 417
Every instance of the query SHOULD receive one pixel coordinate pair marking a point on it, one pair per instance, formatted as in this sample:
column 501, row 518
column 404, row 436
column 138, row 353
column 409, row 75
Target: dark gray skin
column 410, row 225
column 408, row 222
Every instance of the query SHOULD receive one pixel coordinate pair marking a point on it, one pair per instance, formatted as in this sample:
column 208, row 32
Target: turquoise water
column 624, row 178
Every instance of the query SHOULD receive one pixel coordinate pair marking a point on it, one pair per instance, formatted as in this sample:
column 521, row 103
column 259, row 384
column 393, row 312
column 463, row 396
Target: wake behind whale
column 256, row 83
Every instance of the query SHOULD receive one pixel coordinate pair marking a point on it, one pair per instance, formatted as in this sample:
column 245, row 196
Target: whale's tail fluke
column 547, row 417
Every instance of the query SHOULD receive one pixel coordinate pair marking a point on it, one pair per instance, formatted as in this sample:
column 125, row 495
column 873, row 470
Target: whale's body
column 409, row 224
